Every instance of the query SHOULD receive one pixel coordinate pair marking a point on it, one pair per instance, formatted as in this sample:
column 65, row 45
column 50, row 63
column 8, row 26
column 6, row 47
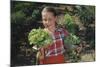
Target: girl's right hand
column 40, row 54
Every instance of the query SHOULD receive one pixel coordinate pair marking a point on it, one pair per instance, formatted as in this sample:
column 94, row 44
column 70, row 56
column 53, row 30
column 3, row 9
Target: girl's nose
column 46, row 22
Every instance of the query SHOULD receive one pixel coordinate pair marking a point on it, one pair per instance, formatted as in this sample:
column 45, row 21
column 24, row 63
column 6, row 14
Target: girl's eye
column 44, row 19
column 49, row 19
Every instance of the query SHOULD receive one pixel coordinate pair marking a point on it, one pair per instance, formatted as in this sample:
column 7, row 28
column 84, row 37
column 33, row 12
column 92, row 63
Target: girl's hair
column 50, row 9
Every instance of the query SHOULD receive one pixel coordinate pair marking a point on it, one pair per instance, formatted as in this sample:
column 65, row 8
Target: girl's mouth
column 47, row 26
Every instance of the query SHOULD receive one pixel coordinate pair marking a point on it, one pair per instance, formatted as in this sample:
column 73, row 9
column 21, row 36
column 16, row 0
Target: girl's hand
column 40, row 54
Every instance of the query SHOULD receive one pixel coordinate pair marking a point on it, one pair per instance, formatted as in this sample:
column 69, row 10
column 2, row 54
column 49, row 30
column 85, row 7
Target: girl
column 53, row 53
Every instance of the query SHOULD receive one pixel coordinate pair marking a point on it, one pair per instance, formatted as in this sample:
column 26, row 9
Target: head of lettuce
column 39, row 37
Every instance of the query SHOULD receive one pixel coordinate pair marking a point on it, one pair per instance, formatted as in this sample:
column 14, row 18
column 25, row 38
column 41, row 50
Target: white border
column 4, row 33
column 82, row 2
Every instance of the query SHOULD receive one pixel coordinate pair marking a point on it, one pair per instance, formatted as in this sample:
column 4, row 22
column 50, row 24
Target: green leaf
column 39, row 37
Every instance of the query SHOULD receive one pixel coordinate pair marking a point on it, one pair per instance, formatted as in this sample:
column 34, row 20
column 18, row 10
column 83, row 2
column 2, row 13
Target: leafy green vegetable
column 71, row 39
column 67, row 22
column 39, row 37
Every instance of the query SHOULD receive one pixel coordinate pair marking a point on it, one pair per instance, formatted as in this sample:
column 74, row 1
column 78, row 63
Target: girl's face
column 48, row 19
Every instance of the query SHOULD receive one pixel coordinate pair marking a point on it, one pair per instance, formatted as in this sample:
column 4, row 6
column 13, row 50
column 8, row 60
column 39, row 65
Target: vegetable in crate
column 39, row 37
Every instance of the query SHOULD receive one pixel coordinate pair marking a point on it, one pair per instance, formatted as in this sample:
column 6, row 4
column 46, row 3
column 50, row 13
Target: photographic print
column 51, row 33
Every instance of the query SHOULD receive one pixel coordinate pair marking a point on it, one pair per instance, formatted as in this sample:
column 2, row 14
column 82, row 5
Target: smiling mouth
column 47, row 26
